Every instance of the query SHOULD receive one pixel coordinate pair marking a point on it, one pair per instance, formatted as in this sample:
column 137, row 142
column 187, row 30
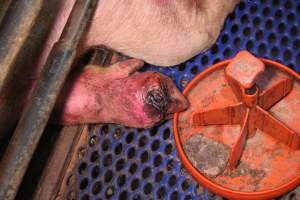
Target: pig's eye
column 158, row 98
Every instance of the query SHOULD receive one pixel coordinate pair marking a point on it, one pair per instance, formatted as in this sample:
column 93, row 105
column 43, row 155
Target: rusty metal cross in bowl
column 251, row 110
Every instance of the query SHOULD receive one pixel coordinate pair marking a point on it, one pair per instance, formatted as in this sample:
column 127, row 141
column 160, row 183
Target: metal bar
column 14, row 31
column 34, row 119
column 68, row 179
column 4, row 5
column 24, row 67
column 59, row 160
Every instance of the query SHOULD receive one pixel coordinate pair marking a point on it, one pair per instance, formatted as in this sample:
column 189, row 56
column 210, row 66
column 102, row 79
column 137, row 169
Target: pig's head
column 120, row 95
column 148, row 98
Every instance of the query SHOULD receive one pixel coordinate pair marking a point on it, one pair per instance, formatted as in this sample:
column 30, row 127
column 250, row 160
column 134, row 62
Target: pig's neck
column 83, row 100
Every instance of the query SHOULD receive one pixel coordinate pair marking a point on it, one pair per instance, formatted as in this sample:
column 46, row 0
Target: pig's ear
column 117, row 70
column 127, row 67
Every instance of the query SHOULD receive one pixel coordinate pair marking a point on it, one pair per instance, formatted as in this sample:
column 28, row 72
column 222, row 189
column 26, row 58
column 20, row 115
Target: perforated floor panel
column 126, row 163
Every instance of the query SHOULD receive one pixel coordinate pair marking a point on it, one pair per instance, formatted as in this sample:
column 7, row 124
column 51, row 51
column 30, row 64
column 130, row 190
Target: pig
column 160, row 32
column 118, row 94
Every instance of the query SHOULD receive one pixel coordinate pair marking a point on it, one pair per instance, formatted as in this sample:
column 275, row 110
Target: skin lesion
column 157, row 99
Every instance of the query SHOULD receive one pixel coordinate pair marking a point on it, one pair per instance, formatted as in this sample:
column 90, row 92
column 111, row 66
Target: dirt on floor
column 208, row 156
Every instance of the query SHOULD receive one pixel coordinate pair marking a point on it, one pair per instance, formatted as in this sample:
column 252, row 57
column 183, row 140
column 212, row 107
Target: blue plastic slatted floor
column 143, row 164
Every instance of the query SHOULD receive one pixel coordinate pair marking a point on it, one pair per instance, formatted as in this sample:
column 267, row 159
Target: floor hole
column 143, row 141
column 131, row 152
column 82, row 168
column 133, row 167
column 95, row 171
column 159, row 176
column 148, row 188
column 83, row 184
column 155, row 145
column 94, row 156
column 146, row 172
column 107, row 160
column 144, row 157
column 121, row 180
column 108, row 176
column 118, row 149
column 120, row 164
column 96, row 187
column 135, row 184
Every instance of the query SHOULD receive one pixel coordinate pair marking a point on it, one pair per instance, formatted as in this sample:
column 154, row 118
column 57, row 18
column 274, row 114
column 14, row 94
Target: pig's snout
column 177, row 103
column 165, row 99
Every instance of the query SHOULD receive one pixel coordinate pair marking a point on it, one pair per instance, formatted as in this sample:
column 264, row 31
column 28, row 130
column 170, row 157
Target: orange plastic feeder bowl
column 240, row 136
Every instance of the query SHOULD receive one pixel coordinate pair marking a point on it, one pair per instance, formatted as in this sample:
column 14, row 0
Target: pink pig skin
column 97, row 95
column 161, row 32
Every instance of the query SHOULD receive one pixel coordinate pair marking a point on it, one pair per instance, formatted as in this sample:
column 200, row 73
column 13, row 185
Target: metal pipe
column 60, row 158
column 37, row 112
column 4, row 5
column 23, row 68
column 14, row 31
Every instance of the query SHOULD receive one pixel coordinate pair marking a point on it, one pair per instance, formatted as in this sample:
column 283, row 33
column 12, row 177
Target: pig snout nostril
column 158, row 99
